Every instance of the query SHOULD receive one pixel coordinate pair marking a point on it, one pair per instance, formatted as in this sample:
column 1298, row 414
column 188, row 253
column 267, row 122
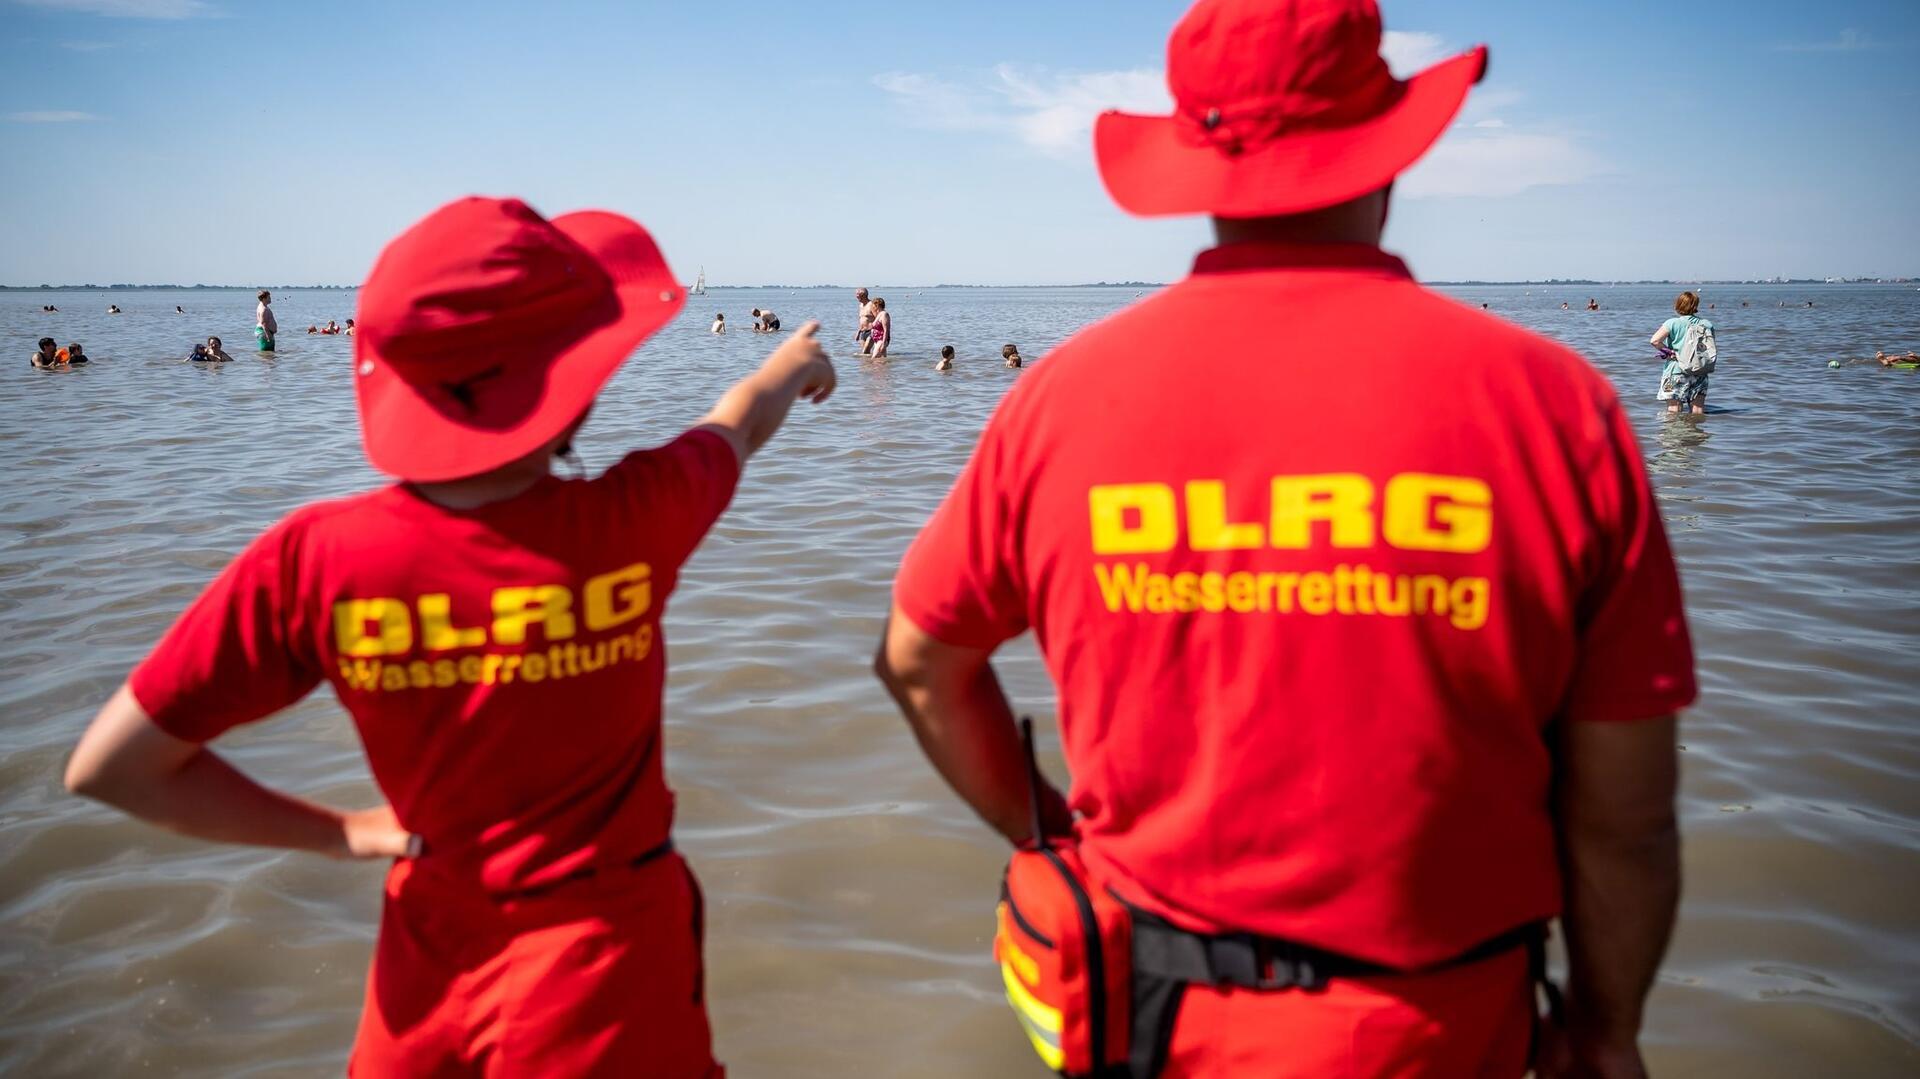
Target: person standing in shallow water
column 264, row 324
column 1680, row 388
column 1357, row 692
column 537, row 921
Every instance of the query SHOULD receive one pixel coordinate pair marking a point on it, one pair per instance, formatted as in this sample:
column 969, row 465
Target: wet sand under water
column 850, row 894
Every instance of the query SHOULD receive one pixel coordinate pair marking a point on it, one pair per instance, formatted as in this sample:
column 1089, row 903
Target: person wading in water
column 537, row 920
column 1358, row 691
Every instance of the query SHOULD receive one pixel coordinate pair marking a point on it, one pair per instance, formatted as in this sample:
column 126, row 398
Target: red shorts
column 600, row 976
column 1471, row 1021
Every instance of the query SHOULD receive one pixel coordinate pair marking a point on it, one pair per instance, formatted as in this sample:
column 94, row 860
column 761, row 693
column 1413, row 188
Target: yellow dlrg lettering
column 1156, row 527
column 437, row 631
column 514, row 609
column 1207, row 526
column 620, row 596
column 391, row 632
column 1342, row 499
column 1425, row 512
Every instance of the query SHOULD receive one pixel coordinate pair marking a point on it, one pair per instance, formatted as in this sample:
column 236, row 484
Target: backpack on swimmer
column 1096, row 982
column 1698, row 352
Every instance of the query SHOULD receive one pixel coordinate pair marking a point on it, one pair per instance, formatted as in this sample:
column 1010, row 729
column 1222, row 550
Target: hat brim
column 1152, row 167
column 411, row 431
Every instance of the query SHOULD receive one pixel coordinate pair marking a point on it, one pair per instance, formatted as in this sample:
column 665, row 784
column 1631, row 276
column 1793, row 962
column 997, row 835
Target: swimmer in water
column 113, row 309
column 75, row 354
column 1012, row 354
column 880, row 330
column 199, row 354
column 946, row 359
column 1885, row 360
column 1593, row 304
column 178, row 310
column 1566, row 306
column 719, row 322
column 48, row 354
column 349, row 330
column 215, row 352
column 312, row 329
column 332, row 327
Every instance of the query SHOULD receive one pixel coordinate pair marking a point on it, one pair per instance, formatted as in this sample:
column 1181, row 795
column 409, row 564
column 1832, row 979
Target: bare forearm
column 1620, row 899
column 952, row 699
column 207, row 798
column 757, row 405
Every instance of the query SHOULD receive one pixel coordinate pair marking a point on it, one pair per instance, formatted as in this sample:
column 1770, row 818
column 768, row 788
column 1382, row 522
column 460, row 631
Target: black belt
column 1249, row 961
column 1167, row 959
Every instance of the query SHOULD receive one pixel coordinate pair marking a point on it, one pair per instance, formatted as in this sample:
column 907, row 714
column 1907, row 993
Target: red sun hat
column 485, row 329
column 1280, row 107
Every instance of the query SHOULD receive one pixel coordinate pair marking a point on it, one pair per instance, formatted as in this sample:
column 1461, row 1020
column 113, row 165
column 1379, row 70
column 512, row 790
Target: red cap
column 1280, row 107
column 485, row 329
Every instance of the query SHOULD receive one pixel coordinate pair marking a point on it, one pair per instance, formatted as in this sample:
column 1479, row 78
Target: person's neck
column 472, row 492
column 1357, row 221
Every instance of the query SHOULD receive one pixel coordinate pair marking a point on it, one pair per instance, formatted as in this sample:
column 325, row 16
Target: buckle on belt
column 1258, row 963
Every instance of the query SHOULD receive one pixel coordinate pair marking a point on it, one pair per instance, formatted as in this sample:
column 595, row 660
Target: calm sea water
column 851, row 895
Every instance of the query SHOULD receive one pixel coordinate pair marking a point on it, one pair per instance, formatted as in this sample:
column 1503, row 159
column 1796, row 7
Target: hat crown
column 1248, row 68
column 475, row 280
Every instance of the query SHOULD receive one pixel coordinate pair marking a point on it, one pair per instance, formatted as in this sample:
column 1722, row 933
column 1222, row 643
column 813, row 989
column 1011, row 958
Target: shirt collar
column 1228, row 258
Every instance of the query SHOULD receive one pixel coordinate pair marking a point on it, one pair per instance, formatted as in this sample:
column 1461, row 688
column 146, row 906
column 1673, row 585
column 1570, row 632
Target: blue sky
column 244, row 142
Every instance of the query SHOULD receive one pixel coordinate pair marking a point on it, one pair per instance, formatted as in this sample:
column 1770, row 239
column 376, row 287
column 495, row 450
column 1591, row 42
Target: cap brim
column 414, row 435
column 1153, row 167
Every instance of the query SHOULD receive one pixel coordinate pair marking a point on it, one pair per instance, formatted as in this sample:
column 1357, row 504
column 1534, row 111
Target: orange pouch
column 1065, row 954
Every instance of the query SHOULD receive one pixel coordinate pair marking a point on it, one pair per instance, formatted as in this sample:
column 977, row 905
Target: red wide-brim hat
column 1161, row 165
column 486, row 330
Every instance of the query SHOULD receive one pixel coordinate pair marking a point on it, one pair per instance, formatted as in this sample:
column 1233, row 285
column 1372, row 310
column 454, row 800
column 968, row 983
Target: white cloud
column 129, row 9
column 1850, row 40
column 1485, row 154
column 1048, row 111
column 1490, row 163
column 1409, row 51
column 49, row 116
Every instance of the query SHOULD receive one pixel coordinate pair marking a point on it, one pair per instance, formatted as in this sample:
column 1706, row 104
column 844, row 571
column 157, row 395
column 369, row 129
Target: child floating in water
column 1012, row 354
column 75, row 354
column 720, row 322
column 946, row 359
column 199, row 355
column 1885, row 360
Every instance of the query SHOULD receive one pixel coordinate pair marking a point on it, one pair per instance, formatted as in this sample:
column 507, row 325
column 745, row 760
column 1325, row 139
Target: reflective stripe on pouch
column 1023, row 964
column 1041, row 1023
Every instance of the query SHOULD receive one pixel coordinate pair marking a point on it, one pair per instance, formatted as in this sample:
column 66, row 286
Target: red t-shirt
column 1312, row 591
column 503, row 665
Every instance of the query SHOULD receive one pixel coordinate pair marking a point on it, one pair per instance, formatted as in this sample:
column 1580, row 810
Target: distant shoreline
column 1551, row 283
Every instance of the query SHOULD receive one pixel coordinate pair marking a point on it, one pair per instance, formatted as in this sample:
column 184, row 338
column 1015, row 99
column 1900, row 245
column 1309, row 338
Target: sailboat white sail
column 699, row 283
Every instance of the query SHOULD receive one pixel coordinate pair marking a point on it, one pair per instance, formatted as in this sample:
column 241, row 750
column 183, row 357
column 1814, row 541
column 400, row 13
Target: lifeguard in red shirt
column 495, row 633
column 1362, row 630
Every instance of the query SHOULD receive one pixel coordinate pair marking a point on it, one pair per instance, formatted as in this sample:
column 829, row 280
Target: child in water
column 946, row 359
column 1681, row 389
column 75, row 354
column 537, row 920
column 1012, row 354
column 719, row 323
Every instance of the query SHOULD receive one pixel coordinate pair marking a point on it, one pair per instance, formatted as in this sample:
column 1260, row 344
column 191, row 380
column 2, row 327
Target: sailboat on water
column 699, row 284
